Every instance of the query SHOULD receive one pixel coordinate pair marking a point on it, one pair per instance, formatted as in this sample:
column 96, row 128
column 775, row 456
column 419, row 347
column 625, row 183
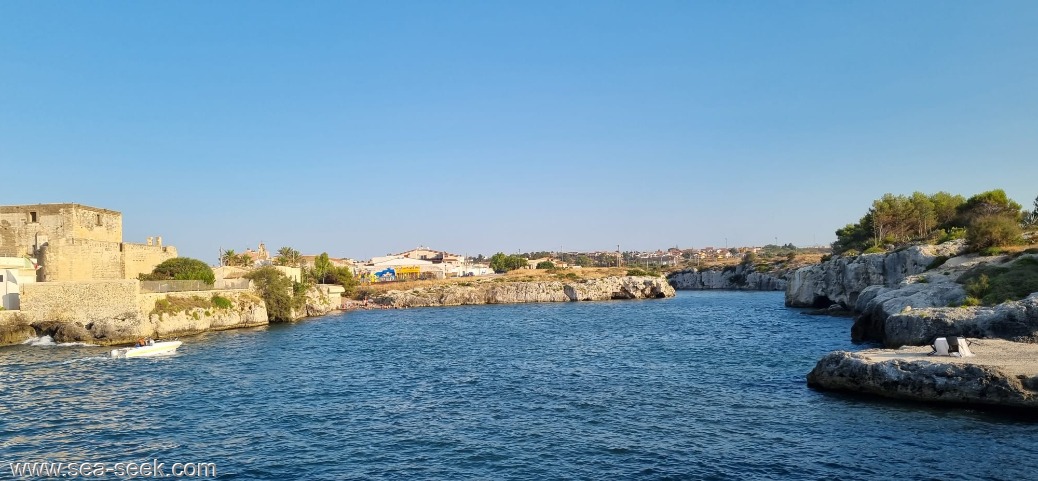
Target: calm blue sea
column 708, row 385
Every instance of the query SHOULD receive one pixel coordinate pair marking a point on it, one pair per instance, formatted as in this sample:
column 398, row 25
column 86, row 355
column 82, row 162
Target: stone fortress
column 73, row 242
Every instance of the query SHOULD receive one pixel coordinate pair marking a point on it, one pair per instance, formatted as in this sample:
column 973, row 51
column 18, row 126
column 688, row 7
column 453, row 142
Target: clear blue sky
column 367, row 128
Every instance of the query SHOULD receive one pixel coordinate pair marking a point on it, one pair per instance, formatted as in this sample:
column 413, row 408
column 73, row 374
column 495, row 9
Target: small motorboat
column 151, row 348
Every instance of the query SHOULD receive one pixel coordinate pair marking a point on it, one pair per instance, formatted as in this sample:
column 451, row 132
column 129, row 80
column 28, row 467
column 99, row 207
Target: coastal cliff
column 740, row 277
column 841, row 280
column 928, row 305
column 1001, row 374
column 630, row 287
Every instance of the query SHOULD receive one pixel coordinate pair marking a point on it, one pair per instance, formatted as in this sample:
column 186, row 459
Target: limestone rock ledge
column 1014, row 320
column 1002, row 374
column 736, row 278
column 629, row 287
column 15, row 334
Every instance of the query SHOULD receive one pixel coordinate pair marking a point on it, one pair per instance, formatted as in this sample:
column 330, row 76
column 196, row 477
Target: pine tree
column 1032, row 218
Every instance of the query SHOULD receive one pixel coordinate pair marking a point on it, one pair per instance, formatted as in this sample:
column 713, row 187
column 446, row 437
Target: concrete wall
column 80, row 301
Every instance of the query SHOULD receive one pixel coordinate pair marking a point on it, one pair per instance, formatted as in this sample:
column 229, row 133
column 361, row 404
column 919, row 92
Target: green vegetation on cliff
column 990, row 285
column 989, row 219
column 176, row 305
column 280, row 294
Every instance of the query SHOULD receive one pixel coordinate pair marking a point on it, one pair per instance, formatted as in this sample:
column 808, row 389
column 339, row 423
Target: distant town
column 426, row 263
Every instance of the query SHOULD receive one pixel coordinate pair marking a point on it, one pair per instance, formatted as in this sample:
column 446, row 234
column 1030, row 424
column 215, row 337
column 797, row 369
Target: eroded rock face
column 923, row 380
column 15, row 334
column 842, row 280
column 630, row 287
column 877, row 304
column 1015, row 321
column 317, row 304
column 738, row 278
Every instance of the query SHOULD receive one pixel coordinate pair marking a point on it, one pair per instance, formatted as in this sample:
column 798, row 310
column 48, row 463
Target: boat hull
column 157, row 349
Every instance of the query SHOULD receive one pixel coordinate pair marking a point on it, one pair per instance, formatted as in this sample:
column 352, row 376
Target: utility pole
column 618, row 255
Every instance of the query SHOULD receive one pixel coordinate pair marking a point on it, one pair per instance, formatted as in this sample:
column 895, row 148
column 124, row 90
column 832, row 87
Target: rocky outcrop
column 877, row 303
column 841, row 280
column 317, row 304
column 741, row 277
column 915, row 376
column 630, row 287
column 925, row 304
column 1015, row 321
column 15, row 334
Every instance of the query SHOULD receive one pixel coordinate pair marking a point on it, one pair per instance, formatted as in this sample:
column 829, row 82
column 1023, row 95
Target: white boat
column 153, row 349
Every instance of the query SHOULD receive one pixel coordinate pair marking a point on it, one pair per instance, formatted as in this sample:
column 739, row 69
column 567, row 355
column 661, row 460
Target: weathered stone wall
column 75, row 242
column 116, row 312
column 79, row 301
column 80, row 260
column 142, row 258
column 20, row 236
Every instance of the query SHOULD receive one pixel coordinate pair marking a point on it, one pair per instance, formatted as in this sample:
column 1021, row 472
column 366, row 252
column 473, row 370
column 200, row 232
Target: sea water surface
column 707, row 385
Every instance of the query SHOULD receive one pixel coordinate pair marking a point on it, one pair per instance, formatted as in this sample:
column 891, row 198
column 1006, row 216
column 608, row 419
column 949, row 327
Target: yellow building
column 74, row 242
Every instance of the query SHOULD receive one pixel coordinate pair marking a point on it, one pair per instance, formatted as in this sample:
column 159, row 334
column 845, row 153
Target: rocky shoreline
column 73, row 314
column 1002, row 373
column 906, row 299
column 194, row 314
column 493, row 292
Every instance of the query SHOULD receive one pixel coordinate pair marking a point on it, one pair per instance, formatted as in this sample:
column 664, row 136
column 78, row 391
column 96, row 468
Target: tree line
column 987, row 220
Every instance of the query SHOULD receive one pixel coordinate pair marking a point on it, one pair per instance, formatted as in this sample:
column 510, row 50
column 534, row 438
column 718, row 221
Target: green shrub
column 221, row 302
column 279, row 293
column 545, row 265
column 636, row 271
column 979, row 286
column 951, row 234
column 851, row 253
column 175, row 305
column 990, row 251
column 922, row 280
column 993, row 231
column 937, row 262
column 970, row 301
column 874, row 250
column 181, row 269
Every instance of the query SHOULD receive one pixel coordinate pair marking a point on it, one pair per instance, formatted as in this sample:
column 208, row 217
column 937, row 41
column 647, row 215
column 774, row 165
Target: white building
column 15, row 272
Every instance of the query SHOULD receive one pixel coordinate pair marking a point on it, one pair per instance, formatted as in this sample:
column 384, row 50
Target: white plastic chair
column 940, row 347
